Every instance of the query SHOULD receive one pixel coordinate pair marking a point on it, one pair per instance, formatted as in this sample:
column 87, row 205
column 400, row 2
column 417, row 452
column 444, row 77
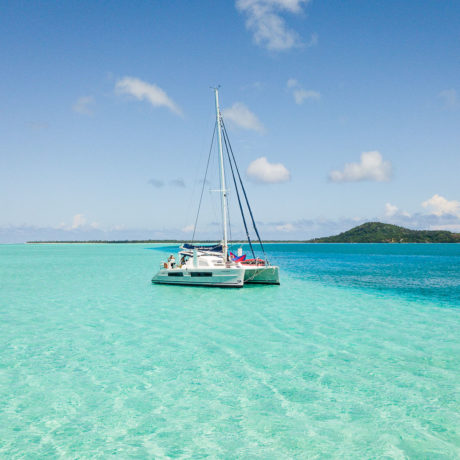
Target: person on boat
column 182, row 261
column 172, row 261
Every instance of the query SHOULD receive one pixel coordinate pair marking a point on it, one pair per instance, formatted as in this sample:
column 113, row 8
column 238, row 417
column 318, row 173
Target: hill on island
column 377, row 232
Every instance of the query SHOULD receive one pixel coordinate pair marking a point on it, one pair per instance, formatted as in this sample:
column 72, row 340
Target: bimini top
column 212, row 248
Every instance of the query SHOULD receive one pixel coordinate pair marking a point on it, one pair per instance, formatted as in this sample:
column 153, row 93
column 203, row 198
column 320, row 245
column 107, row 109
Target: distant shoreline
column 231, row 242
column 367, row 233
column 158, row 242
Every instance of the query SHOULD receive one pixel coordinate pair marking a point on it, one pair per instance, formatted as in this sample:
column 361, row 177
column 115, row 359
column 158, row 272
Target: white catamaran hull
column 222, row 277
column 261, row 275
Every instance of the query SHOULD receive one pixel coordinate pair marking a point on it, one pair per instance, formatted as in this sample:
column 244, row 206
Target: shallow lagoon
column 356, row 354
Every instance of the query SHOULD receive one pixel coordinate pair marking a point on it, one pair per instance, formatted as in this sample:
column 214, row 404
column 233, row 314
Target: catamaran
column 215, row 265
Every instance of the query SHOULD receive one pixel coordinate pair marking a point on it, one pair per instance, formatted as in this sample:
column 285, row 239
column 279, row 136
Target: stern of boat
column 262, row 275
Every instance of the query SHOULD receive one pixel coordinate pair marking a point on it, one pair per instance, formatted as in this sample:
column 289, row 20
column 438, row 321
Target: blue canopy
column 213, row 248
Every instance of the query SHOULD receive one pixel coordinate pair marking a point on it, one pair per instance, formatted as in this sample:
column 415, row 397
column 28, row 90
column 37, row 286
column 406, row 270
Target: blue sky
column 338, row 112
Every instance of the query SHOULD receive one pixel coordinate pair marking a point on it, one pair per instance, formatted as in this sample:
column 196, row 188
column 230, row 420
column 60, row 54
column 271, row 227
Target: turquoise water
column 355, row 355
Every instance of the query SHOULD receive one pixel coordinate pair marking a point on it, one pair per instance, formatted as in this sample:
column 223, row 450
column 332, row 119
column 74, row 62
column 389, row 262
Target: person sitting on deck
column 171, row 261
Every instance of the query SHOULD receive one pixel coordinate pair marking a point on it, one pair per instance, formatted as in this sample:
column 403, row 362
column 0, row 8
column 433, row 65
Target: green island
column 370, row 232
column 377, row 232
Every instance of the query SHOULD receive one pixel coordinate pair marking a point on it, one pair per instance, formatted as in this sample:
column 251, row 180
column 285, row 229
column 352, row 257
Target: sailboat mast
column 223, row 192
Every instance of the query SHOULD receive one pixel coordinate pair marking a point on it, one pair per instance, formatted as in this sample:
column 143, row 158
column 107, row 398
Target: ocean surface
column 355, row 356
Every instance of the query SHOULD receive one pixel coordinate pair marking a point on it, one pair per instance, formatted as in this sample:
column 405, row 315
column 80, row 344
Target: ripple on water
column 96, row 361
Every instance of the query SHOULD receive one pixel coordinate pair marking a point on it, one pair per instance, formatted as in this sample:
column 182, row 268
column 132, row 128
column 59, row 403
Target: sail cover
column 212, row 248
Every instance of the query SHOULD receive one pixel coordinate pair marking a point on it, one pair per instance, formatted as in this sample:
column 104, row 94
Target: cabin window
column 175, row 274
column 201, row 273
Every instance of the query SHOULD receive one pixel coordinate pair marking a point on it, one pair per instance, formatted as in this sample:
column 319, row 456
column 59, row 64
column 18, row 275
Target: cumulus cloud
column 304, row 229
column 144, row 91
column 440, row 206
column 263, row 19
column 449, row 97
column 424, row 221
column 441, row 214
column 240, row 116
column 188, row 228
column 300, row 94
column 391, row 210
column 301, row 229
column 23, row 233
column 455, row 228
column 78, row 221
column 371, row 168
column 84, row 105
column 316, row 227
column 261, row 170
column 156, row 183
column 288, row 227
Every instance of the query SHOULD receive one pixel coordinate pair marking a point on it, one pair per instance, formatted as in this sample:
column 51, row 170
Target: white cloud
column 84, row 105
column 285, row 227
column 142, row 90
column 449, row 96
column 79, row 220
column 391, row 210
column 301, row 229
column 269, row 28
column 439, row 206
column 371, row 167
column 261, row 170
column 304, row 229
column 239, row 115
column 455, row 228
column 300, row 94
column 442, row 215
column 188, row 228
